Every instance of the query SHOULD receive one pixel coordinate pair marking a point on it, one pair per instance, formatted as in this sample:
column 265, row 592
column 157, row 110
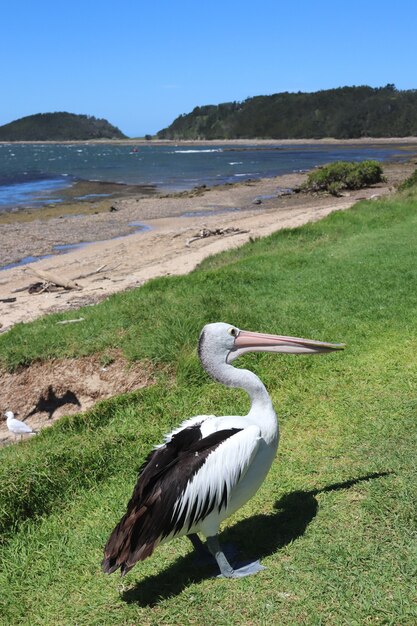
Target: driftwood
column 6, row 300
column 223, row 232
column 40, row 287
column 97, row 271
column 52, row 282
column 48, row 277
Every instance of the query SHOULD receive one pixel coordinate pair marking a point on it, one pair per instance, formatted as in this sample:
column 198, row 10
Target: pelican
column 16, row 426
column 210, row 466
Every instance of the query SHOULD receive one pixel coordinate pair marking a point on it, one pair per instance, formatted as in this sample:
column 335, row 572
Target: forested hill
column 343, row 113
column 59, row 127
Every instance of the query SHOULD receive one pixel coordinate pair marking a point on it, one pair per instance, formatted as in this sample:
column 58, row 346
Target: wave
column 197, row 151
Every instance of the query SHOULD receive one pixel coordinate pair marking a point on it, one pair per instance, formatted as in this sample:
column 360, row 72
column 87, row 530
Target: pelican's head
column 9, row 415
column 222, row 343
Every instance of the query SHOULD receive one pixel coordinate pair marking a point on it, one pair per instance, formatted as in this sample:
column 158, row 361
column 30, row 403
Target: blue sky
column 140, row 64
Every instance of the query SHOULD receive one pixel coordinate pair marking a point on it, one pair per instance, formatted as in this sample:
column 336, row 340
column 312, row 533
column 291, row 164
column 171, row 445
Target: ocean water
column 33, row 175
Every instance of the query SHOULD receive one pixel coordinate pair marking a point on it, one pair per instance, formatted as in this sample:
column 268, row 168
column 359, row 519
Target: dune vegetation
column 335, row 521
column 341, row 175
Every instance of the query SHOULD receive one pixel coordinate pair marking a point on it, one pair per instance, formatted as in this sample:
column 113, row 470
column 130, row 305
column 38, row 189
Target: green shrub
column 409, row 182
column 340, row 175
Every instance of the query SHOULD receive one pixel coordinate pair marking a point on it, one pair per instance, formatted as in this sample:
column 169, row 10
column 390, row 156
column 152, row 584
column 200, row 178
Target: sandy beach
column 158, row 243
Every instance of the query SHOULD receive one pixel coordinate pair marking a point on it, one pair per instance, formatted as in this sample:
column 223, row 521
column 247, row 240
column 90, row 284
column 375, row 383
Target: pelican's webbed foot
column 226, row 570
column 246, row 570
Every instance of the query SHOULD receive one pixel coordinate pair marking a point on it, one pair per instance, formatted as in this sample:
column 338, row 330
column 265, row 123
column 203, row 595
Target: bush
column 409, row 182
column 340, row 175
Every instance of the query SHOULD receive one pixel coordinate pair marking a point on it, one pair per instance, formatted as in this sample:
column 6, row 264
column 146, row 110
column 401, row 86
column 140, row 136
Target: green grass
column 335, row 522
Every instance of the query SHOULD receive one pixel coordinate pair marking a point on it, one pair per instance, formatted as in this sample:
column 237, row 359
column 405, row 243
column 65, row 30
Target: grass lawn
column 335, row 521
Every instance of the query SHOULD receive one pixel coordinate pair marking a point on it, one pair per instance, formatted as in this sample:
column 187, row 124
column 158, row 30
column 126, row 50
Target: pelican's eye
column 233, row 331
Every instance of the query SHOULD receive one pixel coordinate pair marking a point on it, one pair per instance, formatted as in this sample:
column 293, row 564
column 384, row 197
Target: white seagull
column 210, row 466
column 16, row 426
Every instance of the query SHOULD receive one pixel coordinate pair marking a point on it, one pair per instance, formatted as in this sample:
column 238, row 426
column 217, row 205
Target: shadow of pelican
column 265, row 534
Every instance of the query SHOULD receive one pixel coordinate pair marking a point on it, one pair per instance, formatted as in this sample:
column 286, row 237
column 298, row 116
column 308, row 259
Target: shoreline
column 201, row 142
column 234, row 213
column 36, row 232
column 88, row 195
column 81, row 198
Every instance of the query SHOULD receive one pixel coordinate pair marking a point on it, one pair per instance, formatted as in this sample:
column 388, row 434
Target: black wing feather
column 163, row 476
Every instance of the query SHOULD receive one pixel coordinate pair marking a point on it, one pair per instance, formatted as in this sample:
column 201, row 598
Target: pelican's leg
column 226, row 569
column 198, row 545
column 204, row 556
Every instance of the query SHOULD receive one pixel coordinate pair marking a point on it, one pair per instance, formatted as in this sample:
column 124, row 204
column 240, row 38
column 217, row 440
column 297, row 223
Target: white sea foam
column 236, row 163
column 197, row 151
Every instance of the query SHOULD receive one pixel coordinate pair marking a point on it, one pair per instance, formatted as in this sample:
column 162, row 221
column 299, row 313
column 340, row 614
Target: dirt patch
column 44, row 392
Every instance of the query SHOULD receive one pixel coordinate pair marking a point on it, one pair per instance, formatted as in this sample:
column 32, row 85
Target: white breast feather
column 226, row 465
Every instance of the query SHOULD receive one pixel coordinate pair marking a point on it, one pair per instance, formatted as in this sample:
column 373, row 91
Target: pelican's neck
column 244, row 379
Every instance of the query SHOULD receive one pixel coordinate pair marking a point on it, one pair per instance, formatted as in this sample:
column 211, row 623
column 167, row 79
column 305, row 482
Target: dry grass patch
column 45, row 391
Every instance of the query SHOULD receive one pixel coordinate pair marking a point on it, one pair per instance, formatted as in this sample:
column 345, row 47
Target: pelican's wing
column 179, row 484
column 197, row 420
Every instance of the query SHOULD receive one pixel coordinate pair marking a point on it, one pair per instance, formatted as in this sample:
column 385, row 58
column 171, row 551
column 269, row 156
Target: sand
column 249, row 210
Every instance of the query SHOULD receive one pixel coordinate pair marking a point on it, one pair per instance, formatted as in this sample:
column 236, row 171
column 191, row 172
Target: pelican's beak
column 258, row 342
